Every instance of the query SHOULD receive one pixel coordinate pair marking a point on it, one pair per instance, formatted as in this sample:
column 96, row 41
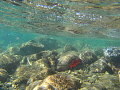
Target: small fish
column 75, row 63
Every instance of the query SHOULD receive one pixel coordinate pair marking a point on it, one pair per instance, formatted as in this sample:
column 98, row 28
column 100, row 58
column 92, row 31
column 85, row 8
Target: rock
column 49, row 59
column 33, row 84
column 24, row 72
column 46, row 72
column 93, row 87
column 40, row 75
column 31, row 58
column 65, row 60
column 31, row 47
column 13, row 50
column 97, row 86
column 100, row 66
column 56, row 82
column 2, row 86
column 100, row 81
column 99, row 52
column 88, row 57
column 3, row 75
column 112, row 54
column 69, row 47
column 49, row 43
column 27, row 74
column 9, row 62
column 110, row 82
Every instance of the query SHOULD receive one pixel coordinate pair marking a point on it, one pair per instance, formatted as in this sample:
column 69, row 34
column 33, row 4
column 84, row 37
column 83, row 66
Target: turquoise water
column 93, row 22
column 15, row 39
column 39, row 38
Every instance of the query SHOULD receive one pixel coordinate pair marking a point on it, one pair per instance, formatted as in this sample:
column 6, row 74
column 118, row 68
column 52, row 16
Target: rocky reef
column 33, row 66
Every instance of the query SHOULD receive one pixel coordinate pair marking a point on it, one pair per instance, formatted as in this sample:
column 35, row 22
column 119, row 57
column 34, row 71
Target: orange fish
column 75, row 63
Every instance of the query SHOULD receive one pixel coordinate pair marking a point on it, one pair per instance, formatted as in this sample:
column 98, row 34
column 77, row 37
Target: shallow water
column 81, row 38
column 94, row 22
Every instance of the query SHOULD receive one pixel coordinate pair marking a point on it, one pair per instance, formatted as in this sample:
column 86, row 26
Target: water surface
column 95, row 22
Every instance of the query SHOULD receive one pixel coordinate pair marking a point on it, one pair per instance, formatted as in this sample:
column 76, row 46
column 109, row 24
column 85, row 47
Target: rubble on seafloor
column 70, row 69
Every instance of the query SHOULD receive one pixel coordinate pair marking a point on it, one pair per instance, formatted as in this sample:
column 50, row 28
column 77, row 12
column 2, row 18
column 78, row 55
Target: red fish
column 74, row 63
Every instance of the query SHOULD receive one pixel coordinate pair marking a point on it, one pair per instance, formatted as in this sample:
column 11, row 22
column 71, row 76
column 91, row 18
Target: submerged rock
column 100, row 66
column 3, row 75
column 49, row 43
column 99, row 81
column 27, row 74
column 112, row 54
column 110, row 82
column 13, row 50
column 22, row 74
column 31, row 47
column 32, row 85
column 30, row 59
column 48, row 59
column 40, row 75
column 89, row 86
column 9, row 62
column 65, row 60
column 88, row 57
column 55, row 82
column 99, row 52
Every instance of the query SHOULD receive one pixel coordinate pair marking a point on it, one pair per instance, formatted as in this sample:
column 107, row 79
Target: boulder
column 31, row 47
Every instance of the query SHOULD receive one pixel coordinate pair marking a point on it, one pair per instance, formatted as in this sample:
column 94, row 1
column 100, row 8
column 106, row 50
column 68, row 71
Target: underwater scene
column 59, row 44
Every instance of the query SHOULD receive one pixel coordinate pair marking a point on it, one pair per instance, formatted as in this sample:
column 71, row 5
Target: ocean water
column 94, row 22
column 92, row 27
